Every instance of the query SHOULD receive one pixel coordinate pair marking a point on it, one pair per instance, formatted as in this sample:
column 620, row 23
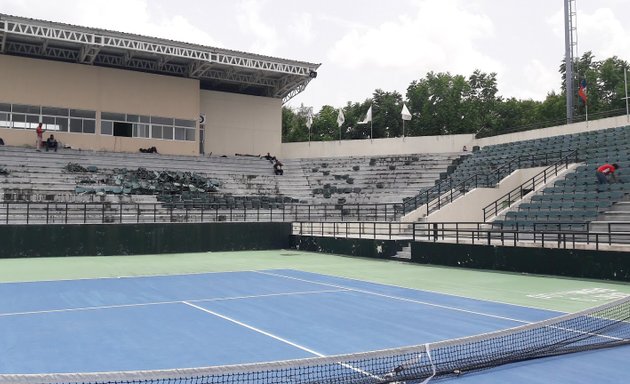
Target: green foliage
column 443, row 103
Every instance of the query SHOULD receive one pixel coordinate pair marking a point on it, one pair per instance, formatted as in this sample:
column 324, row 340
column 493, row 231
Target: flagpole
column 403, row 129
column 371, row 131
column 586, row 105
column 625, row 82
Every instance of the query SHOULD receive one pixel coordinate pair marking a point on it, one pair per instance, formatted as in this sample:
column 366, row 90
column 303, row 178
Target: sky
column 370, row 44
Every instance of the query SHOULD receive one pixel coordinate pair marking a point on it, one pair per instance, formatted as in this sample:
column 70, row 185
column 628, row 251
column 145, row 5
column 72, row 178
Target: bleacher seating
column 377, row 179
column 573, row 201
column 244, row 181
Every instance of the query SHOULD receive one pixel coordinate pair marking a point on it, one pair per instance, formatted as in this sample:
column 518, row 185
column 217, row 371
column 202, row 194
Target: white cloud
column 302, row 28
column 265, row 38
column 439, row 36
column 533, row 81
column 604, row 34
column 600, row 32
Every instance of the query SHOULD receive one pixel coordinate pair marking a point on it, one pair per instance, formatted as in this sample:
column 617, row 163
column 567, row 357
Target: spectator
column 277, row 168
column 51, row 143
column 605, row 173
column 270, row 158
column 40, row 136
column 464, row 149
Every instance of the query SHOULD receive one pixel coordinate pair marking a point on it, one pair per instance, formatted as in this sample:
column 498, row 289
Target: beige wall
column 56, row 84
column 241, row 123
column 470, row 206
column 434, row 144
column 408, row 145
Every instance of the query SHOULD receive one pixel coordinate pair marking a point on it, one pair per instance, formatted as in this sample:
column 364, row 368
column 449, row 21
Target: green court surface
column 562, row 294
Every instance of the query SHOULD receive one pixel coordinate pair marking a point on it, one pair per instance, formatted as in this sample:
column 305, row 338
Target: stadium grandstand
column 161, row 151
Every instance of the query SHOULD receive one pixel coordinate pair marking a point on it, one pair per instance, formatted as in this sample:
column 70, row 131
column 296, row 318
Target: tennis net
column 599, row 327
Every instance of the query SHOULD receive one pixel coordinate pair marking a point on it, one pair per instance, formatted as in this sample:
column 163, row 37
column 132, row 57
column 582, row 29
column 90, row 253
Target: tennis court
column 224, row 318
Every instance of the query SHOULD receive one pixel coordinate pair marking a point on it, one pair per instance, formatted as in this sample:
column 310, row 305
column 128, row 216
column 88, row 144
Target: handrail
column 435, row 193
column 517, row 193
column 27, row 212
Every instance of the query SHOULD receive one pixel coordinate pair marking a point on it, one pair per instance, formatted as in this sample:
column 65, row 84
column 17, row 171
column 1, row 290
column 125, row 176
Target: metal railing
column 567, row 235
column 550, row 123
column 446, row 191
column 15, row 212
column 519, row 192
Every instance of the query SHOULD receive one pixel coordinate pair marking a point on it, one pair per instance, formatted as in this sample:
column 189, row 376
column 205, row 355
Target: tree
column 325, row 125
column 386, row 107
column 442, row 103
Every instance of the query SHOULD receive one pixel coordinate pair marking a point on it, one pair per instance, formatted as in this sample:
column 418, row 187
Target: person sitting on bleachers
column 51, row 143
column 277, row 168
column 604, row 172
column 270, row 158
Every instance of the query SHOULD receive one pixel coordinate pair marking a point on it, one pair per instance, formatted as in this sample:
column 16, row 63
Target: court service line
column 93, row 308
column 276, row 337
column 398, row 298
column 258, row 330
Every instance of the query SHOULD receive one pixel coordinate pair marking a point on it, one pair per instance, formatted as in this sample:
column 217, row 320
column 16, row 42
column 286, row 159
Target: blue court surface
column 186, row 321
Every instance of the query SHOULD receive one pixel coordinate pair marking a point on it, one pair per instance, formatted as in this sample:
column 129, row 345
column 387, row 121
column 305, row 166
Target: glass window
column 83, row 113
column 180, row 134
column 21, row 108
column 190, row 135
column 54, row 111
column 167, row 133
column 106, row 127
column 156, row 131
column 161, row 120
column 112, row 116
column 89, row 126
column 62, row 123
column 19, row 118
column 4, row 119
column 76, row 125
column 133, row 118
column 32, row 118
column 186, row 123
column 48, row 120
column 145, row 119
column 5, row 107
column 140, row 130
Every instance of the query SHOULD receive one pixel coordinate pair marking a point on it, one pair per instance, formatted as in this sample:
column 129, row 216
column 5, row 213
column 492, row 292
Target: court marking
column 396, row 297
column 278, row 338
column 590, row 295
column 171, row 302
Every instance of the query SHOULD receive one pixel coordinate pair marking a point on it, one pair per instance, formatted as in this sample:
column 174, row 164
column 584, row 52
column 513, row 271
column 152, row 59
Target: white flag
column 309, row 120
column 368, row 117
column 340, row 118
column 405, row 113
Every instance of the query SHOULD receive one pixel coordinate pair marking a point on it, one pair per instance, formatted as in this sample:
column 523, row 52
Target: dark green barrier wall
column 351, row 247
column 129, row 239
column 562, row 262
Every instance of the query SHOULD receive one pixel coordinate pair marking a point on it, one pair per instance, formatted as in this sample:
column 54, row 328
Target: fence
column 560, row 234
column 119, row 213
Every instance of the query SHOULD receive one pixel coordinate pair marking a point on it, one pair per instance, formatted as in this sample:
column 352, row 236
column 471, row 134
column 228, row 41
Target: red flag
column 582, row 91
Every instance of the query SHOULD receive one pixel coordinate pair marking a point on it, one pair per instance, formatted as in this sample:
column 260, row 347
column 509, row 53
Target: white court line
column 305, row 349
column 276, row 337
column 431, row 291
column 123, row 277
column 397, row 298
column 170, row 302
